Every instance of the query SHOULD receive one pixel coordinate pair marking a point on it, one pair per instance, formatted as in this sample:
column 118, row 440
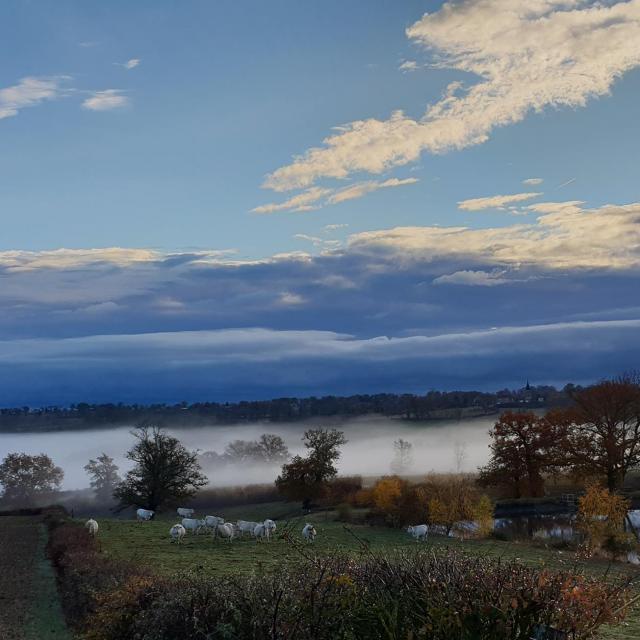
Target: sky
column 225, row 200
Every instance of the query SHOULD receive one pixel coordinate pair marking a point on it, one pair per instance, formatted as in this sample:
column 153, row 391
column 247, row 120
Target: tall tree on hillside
column 26, row 478
column 104, row 477
column 306, row 478
column 165, row 473
column 603, row 430
column 523, row 450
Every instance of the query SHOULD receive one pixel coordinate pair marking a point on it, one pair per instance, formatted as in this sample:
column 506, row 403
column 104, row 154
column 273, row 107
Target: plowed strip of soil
column 28, row 599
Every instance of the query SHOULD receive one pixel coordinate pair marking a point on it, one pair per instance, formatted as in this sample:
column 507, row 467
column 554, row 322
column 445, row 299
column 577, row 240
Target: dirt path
column 29, row 606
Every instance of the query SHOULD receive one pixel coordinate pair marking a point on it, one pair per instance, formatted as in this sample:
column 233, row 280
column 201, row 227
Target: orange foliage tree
column 603, row 430
column 524, row 448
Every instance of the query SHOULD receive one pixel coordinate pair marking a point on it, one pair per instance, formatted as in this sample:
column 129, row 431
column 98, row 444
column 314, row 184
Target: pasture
column 148, row 544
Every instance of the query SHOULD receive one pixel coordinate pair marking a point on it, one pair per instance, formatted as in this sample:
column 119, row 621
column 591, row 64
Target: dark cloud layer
column 402, row 310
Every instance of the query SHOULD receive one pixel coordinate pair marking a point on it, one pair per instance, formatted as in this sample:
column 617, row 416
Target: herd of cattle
column 213, row 524
column 229, row 530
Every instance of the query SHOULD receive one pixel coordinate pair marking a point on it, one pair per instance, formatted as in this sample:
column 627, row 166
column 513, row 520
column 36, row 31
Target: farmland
column 148, row 544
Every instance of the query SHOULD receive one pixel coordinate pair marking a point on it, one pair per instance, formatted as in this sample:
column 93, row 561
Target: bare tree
column 402, row 456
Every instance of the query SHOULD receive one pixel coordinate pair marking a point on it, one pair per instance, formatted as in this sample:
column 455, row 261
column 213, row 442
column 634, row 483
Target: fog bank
column 437, row 446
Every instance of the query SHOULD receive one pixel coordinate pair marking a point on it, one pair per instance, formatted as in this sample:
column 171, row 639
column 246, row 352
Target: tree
column 165, row 473
column 452, row 499
column 603, row 430
column 523, row 449
column 601, row 516
column 306, row 479
column 273, row 449
column 25, row 478
column 402, row 457
column 269, row 449
column 104, row 477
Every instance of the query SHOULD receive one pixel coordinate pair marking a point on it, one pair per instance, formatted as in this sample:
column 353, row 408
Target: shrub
column 601, row 515
column 445, row 596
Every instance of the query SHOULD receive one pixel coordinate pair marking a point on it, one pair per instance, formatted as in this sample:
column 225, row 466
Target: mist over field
column 369, row 450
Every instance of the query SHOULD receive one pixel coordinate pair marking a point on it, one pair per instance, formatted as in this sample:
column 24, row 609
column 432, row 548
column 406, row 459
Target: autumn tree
column 452, row 499
column 603, row 430
column 523, row 449
column 402, row 456
column 104, row 477
column 601, row 517
column 165, row 473
column 306, row 478
column 26, row 478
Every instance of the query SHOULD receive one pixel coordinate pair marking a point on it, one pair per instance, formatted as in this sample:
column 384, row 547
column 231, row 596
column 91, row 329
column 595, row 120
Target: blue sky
column 375, row 170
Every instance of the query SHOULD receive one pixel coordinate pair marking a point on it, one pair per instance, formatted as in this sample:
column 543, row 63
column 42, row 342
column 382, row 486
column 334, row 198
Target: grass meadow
column 148, row 544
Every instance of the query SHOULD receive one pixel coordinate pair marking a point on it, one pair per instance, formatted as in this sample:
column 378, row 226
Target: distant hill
column 434, row 405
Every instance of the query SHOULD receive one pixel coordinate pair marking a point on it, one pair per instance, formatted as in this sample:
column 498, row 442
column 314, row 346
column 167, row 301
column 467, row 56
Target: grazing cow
column 269, row 528
column 419, row 532
column 193, row 524
column 309, row 532
column 185, row 513
column 177, row 532
column 145, row 515
column 226, row 530
column 245, row 526
column 91, row 526
column 260, row 531
column 211, row 523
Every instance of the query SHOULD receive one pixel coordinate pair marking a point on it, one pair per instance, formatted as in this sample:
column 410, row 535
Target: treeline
column 432, row 405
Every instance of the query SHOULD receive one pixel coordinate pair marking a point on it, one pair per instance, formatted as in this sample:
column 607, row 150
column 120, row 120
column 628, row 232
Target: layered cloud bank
column 398, row 309
column 511, row 58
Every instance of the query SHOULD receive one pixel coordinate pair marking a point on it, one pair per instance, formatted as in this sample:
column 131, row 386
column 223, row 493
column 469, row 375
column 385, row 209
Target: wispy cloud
column 567, row 183
column 408, row 65
column 473, row 278
column 29, row 92
column 495, row 202
column 533, row 181
column 317, row 197
column 129, row 64
column 305, row 201
column 106, row 100
column 335, row 227
column 526, row 55
column 360, row 189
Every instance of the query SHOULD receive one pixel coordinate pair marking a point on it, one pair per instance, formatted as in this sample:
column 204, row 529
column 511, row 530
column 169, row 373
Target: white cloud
column 106, row 100
column 290, row 299
column 565, row 236
column 494, row 202
column 131, row 64
column 533, row 181
column 305, row 201
column 360, row 189
column 408, row 65
column 29, row 92
column 473, row 278
column 335, row 227
column 317, row 197
column 567, row 183
column 525, row 54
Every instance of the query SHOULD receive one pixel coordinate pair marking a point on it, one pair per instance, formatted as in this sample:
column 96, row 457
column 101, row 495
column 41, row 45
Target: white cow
column 91, row 526
column 213, row 521
column 177, row 532
column 309, row 532
column 226, row 530
column 418, row 531
column 246, row 526
column 185, row 513
column 144, row 514
column 193, row 524
column 260, row 531
column 269, row 528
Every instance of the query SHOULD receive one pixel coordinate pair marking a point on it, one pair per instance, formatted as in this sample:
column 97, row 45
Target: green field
column 148, row 544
